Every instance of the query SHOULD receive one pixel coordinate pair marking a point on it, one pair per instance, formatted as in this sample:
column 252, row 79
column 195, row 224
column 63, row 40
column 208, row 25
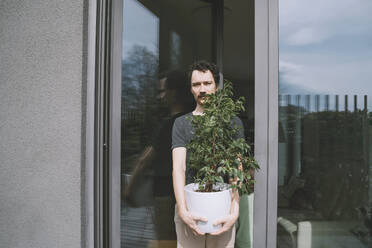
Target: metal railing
column 317, row 103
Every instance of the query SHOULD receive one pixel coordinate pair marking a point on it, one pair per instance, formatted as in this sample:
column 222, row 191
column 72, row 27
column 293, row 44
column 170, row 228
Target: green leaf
column 219, row 179
column 213, row 152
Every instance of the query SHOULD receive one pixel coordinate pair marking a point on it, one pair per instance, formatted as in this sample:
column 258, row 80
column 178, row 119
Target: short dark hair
column 204, row 66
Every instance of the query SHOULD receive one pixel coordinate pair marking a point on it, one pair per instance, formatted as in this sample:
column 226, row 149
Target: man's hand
column 227, row 223
column 190, row 220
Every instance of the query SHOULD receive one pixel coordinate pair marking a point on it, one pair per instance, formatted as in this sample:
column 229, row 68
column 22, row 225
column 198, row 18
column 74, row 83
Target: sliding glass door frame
column 107, row 119
column 266, row 123
column 107, row 124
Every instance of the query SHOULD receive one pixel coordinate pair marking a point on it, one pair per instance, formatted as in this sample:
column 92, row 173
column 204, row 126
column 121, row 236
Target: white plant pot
column 211, row 205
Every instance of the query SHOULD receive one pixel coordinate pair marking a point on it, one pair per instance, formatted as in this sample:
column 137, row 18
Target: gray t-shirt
column 183, row 132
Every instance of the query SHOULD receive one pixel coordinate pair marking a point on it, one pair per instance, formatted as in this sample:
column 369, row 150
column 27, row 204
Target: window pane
column 161, row 38
column 324, row 186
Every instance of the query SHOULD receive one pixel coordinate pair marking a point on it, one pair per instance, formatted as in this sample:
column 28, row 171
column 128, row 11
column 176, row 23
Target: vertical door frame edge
column 104, row 167
column 88, row 190
column 115, row 121
column 272, row 185
column 266, row 122
column 261, row 122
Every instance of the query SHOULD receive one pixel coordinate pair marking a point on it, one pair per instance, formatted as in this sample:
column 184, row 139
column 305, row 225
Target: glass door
column 160, row 40
column 325, row 128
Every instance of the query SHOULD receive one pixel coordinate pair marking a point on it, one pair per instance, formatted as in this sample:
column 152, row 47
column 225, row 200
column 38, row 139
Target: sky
column 141, row 27
column 325, row 47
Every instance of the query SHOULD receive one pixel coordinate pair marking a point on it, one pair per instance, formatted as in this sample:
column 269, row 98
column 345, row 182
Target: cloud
column 322, row 74
column 306, row 36
column 286, row 67
column 140, row 27
column 325, row 47
column 304, row 23
column 292, row 79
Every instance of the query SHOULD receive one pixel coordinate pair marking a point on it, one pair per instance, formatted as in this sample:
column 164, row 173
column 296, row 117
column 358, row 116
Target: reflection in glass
column 139, row 80
column 160, row 40
column 325, row 124
column 157, row 48
column 175, row 49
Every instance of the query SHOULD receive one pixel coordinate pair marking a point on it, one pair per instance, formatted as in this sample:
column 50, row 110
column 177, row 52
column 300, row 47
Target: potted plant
column 217, row 157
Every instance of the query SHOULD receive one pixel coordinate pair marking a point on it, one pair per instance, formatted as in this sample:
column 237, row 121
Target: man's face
column 202, row 83
column 162, row 91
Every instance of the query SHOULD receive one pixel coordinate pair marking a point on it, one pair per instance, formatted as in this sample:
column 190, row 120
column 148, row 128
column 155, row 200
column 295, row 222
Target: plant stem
column 208, row 187
column 214, row 143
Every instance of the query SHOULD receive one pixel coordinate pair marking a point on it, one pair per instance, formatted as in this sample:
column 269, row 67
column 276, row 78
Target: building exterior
column 79, row 109
column 43, row 106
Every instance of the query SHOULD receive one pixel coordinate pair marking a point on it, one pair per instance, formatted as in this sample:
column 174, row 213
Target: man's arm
column 141, row 164
column 229, row 220
column 179, row 171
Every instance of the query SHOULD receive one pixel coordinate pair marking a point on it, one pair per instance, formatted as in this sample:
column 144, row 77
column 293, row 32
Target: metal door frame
column 102, row 182
column 266, row 122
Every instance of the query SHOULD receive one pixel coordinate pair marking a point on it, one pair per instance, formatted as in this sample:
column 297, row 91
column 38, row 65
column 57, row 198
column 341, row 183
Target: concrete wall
column 41, row 111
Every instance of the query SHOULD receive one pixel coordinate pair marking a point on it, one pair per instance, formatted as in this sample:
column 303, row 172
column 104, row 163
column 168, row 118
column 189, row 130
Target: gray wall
column 41, row 111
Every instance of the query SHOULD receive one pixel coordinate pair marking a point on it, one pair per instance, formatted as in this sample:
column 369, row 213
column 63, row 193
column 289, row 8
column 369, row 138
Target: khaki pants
column 187, row 239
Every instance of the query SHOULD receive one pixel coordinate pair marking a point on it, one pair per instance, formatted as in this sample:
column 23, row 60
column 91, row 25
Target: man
column 203, row 78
